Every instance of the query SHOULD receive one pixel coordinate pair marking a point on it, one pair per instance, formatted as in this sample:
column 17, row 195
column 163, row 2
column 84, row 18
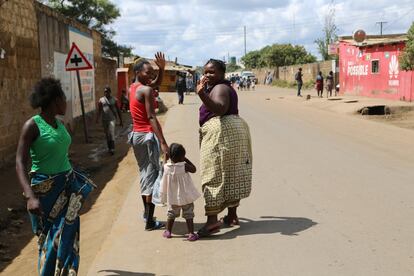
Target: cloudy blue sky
column 196, row 30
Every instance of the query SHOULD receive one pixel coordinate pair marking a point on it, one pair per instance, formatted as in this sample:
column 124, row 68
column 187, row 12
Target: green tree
column 278, row 55
column 329, row 35
column 407, row 56
column 251, row 59
column 232, row 67
column 97, row 15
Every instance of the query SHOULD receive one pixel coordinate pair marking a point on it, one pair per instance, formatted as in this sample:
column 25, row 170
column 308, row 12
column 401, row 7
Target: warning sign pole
column 76, row 61
column 85, row 128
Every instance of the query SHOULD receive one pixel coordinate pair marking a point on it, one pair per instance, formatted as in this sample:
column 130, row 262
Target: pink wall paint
column 356, row 76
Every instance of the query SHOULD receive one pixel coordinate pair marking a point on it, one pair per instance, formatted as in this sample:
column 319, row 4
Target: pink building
column 371, row 68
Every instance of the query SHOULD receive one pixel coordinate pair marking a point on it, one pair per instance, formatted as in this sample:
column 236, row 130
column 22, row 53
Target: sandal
column 205, row 232
column 229, row 222
column 167, row 234
column 193, row 237
column 154, row 226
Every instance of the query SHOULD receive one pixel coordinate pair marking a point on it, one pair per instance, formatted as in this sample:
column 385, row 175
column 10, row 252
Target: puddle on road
column 99, row 151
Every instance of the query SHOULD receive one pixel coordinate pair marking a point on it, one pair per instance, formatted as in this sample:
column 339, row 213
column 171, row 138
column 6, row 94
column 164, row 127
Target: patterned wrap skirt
column 61, row 197
column 226, row 162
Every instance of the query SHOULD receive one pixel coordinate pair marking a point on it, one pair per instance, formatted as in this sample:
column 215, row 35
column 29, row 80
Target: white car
column 247, row 74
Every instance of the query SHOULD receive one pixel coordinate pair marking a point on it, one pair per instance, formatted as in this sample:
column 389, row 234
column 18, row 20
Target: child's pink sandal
column 192, row 237
column 167, row 234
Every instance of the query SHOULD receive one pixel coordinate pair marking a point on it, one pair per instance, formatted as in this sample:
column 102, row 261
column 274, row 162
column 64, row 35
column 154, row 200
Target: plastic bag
column 156, row 192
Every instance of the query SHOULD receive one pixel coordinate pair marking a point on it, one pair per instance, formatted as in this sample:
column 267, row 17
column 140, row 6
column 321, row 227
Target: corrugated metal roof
column 376, row 39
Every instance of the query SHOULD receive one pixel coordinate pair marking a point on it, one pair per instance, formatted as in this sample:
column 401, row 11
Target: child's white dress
column 177, row 187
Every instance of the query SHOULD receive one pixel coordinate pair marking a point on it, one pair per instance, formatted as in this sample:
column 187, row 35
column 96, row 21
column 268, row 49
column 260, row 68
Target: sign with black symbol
column 76, row 60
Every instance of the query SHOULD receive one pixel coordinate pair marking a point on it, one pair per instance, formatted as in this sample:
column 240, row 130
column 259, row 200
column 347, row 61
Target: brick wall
column 105, row 75
column 19, row 71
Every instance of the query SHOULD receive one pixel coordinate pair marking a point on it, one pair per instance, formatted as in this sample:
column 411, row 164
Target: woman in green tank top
column 54, row 192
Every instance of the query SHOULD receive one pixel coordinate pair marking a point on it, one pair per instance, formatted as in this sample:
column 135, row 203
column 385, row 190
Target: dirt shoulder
column 400, row 114
column 112, row 175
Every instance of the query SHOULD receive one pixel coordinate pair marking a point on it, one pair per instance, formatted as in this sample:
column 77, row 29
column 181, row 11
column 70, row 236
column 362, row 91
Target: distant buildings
column 371, row 68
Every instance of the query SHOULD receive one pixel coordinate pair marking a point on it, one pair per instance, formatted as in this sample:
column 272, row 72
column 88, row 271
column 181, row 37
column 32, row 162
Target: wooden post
column 85, row 128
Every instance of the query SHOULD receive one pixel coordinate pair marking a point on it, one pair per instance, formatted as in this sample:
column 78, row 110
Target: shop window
column 375, row 66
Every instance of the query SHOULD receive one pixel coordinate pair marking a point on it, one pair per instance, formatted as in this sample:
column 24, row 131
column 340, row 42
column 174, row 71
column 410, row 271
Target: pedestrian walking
column 180, row 87
column 178, row 190
column 189, row 83
column 242, row 84
column 266, row 78
column 269, row 79
column 299, row 81
column 329, row 84
column 147, row 137
column 253, row 84
column 337, row 90
column 319, row 84
column 108, row 110
column 54, row 191
column 248, row 83
column 225, row 149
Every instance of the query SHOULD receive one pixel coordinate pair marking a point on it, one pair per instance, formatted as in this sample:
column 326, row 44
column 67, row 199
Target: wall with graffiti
column 374, row 71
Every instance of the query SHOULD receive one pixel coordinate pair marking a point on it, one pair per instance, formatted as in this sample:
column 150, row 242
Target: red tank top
column 138, row 112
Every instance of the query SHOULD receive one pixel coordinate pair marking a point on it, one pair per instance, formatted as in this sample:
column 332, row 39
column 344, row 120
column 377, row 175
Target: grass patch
column 287, row 84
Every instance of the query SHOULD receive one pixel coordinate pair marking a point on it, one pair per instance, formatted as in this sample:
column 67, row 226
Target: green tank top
column 49, row 152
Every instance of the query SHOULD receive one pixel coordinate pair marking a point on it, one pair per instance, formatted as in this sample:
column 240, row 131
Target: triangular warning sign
column 76, row 60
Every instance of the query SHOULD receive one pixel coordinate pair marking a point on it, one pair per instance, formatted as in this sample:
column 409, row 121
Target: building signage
column 357, row 70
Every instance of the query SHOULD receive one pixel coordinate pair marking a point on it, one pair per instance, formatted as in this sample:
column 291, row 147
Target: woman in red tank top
column 147, row 137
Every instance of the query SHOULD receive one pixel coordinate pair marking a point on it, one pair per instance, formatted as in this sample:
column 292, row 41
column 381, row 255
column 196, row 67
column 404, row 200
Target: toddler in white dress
column 178, row 191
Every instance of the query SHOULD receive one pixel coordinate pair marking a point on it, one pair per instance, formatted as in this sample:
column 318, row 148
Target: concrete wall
column 309, row 71
column 287, row 73
column 261, row 74
column 19, row 70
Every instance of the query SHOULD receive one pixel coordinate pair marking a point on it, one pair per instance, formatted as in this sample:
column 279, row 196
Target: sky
column 195, row 30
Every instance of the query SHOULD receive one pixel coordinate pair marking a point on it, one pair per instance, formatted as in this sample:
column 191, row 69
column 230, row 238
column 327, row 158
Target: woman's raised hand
column 160, row 60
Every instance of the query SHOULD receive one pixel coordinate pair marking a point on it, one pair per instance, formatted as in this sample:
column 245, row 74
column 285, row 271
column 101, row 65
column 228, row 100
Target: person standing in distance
column 108, row 109
column 298, row 78
column 181, row 87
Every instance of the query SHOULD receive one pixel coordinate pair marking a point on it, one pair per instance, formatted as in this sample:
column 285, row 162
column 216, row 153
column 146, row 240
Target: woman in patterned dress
column 225, row 148
column 54, row 192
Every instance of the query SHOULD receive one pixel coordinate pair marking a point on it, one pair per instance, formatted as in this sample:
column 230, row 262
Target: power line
column 230, row 29
column 381, row 23
column 399, row 18
column 245, row 48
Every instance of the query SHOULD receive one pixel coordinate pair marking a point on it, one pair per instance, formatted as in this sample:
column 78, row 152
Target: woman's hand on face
column 201, row 85
column 34, row 207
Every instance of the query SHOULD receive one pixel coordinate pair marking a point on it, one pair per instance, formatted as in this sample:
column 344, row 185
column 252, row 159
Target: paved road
column 332, row 195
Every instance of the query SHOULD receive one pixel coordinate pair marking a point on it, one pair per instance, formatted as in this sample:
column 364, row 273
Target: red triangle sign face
column 76, row 60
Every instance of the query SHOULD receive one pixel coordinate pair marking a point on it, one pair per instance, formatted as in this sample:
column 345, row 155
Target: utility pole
column 381, row 23
column 245, row 51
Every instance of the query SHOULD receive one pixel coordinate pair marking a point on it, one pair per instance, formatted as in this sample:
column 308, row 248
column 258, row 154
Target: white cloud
column 196, row 30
